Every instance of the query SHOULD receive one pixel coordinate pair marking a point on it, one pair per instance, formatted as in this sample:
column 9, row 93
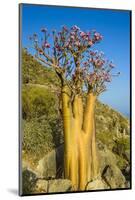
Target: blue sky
column 113, row 25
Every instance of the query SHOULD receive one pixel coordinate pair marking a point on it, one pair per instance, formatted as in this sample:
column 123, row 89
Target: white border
column 9, row 97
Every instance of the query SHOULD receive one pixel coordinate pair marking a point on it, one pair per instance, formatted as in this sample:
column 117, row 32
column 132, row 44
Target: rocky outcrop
column 110, row 173
column 113, row 177
column 41, row 186
column 97, row 184
column 51, row 166
column 52, row 186
column 59, row 185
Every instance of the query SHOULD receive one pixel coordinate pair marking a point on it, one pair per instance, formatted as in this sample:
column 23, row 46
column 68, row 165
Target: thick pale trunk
column 80, row 156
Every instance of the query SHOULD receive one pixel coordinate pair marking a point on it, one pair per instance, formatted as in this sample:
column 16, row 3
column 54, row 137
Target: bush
column 37, row 137
column 34, row 72
column 37, row 101
column 121, row 145
column 42, row 125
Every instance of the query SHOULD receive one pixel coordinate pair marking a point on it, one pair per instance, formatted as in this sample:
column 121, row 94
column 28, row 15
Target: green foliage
column 109, row 120
column 121, row 162
column 36, row 101
column 106, row 138
column 34, row 72
column 42, row 127
column 37, row 139
column 121, row 145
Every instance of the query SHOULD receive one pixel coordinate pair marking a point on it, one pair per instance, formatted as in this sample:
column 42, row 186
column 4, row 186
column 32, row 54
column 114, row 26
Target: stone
column 127, row 155
column 110, row 173
column 97, row 184
column 47, row 166
column 51, row 166
column 29, row 179
column 59, row 185
column 113, row 177
column 41, row 186
column 106, row 157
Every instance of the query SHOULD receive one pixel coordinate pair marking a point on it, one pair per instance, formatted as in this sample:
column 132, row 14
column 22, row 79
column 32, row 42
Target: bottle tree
column 83, row 73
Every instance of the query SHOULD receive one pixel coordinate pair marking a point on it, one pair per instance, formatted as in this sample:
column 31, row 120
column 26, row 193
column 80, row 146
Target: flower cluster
column 74, row 39
column 99, row 77
column 71, row 50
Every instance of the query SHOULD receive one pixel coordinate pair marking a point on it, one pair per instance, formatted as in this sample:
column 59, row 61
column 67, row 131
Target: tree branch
column 45, row 55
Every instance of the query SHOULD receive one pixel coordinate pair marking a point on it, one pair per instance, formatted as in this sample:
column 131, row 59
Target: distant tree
column 82, row 72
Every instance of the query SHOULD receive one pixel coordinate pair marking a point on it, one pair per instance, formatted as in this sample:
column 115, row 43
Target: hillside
column 42, row 126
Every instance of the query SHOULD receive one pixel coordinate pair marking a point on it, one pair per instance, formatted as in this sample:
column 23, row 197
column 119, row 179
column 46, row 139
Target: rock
column 127, row 169
column 41, row 186
column 51, row 166
column 59, row 185
column 127, row 155
column 96, row 185
column 106, row 157
column 110, row 172
column 113, row 177
column 47, row 166
column 128, row 184
column 126, row 173
column 29, row 179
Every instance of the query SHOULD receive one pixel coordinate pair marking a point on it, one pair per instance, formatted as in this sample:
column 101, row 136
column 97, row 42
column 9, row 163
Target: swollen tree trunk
column 80, row 154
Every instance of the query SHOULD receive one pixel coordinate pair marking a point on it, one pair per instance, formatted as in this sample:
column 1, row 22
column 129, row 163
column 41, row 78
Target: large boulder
column 29, row 179
column 110, row 172
column 51, row 166
column 113, row 176
column 52, row 186
column 97, row 184
column 41, row 186
column 106, row 156
column 59, row 185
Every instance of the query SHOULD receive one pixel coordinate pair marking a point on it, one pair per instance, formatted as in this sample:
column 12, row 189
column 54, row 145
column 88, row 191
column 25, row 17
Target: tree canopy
column 71, row 54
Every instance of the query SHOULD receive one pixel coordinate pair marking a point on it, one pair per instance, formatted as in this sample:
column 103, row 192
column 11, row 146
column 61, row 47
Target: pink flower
column 90, row 42
column 82, row 34
column 46, row 45
column 98, row 63
column 91, row 60
column 107, row 77
column 75, row 28
column 57, row 47
column 92, row 77
column 97, row 36
column 92, row 53
column 66, row 44
column 69, row 46
column 72, row 33
column 77, row 43
column 72, row 37
column 85, row 63
column 65, row 28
